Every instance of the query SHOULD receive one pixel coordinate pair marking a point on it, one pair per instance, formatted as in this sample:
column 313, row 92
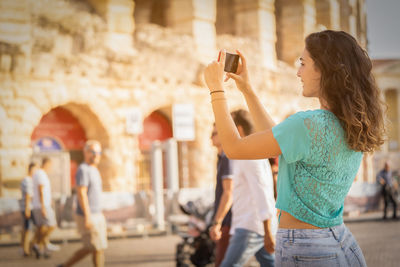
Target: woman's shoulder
column 310, row 115
column 316, row 115
column 319, row 121
column 314, row 112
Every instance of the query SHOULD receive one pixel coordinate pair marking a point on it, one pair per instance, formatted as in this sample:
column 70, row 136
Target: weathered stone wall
column 90, row 58
column 61, row 62
column 71, row 65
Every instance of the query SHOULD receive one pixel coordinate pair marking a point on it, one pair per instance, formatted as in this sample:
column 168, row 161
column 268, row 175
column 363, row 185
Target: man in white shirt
column 43, row 213
column 254, row 222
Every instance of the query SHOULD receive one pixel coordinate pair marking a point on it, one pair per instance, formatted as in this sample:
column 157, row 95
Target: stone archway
column 60, row 124
column 22, row 114
column 156, row 126
column 93, row 128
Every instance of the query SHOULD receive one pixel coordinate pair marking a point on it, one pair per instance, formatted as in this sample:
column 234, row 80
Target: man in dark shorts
column 223, row 201
column 385, row 179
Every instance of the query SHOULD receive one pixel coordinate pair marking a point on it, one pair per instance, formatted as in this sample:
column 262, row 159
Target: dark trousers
column 222, row 245
column 388, row 196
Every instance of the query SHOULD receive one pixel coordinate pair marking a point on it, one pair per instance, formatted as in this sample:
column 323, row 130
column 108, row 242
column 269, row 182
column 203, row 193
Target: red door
column 155, row 127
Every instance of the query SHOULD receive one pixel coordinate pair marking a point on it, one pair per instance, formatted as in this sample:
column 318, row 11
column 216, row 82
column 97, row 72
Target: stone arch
column 165, row 109
column 94, row 129
column 392, row 96
column 161, row 115
column 151, row 11
column 226, row 18
column 96, row 117
column 87, row 114
column 328, row 14
column 88, row 118
column 155, row 125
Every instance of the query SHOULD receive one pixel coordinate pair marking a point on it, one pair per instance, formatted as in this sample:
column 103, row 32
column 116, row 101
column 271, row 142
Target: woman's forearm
column 227, row 131
column 262, row 120
column 255, row 146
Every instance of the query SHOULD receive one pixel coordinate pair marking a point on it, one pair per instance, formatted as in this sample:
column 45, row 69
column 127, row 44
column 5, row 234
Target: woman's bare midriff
column 287, row 221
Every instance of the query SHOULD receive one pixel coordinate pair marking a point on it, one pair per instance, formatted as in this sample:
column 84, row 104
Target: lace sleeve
column 293, row 138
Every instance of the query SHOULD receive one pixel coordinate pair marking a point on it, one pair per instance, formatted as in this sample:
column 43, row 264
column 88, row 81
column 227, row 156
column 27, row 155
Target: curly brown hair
column 348, row 87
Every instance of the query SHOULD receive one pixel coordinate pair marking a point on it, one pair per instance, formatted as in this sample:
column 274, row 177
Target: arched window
column 156, row 126
column 225, row 22
column 151, row 11
column 60, row 124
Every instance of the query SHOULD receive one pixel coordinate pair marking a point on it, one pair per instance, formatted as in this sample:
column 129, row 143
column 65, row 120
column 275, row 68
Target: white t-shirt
column 253, row 196
column 40, row 178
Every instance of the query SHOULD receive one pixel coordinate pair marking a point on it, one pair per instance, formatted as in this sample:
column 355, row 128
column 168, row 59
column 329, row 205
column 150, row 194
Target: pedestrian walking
column 274, row 167
column 222, row 217
column 254, row 221
column 320, row 150
column 26, row 208
column 386, row 181
column 89, row 217
column 43, row 212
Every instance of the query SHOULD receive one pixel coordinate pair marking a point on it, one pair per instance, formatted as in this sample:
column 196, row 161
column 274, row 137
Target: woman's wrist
column 217, row 95
column 216, row 91
column 248, row 90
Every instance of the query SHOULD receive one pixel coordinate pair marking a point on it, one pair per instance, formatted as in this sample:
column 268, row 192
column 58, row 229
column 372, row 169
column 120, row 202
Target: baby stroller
column 196, row 248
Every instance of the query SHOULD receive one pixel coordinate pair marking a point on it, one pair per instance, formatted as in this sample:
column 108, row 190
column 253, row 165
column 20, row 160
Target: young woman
column 320, row 150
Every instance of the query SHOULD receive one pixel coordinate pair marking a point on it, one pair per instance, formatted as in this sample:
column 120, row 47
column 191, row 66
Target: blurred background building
column 117, row 71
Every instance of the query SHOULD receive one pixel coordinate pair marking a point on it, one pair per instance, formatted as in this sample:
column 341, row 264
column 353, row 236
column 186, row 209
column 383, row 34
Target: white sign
column 183, row 122
column 134, row 121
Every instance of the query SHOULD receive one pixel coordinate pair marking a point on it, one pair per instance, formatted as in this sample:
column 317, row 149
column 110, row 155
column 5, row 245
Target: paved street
column 380, row 242
column 151, row 251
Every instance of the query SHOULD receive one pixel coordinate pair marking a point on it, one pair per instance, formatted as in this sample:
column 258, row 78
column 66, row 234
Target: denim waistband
column 312, row 233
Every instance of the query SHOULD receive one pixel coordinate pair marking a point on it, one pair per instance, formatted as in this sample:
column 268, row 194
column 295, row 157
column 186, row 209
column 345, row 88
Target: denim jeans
column 244, row 244
column 333, row 246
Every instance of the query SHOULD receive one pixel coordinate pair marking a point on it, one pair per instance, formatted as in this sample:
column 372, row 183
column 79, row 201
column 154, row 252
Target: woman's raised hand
column 214, row 73
column 241, row 77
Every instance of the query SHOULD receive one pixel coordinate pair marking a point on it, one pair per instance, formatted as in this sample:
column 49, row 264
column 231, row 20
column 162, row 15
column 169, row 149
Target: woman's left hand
column 214, row 73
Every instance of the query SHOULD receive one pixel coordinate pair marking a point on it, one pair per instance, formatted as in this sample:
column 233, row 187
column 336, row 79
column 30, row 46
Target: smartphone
column 231, row 62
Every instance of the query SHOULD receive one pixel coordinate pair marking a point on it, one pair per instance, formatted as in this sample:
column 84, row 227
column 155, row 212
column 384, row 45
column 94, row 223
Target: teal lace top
column 316, row 167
